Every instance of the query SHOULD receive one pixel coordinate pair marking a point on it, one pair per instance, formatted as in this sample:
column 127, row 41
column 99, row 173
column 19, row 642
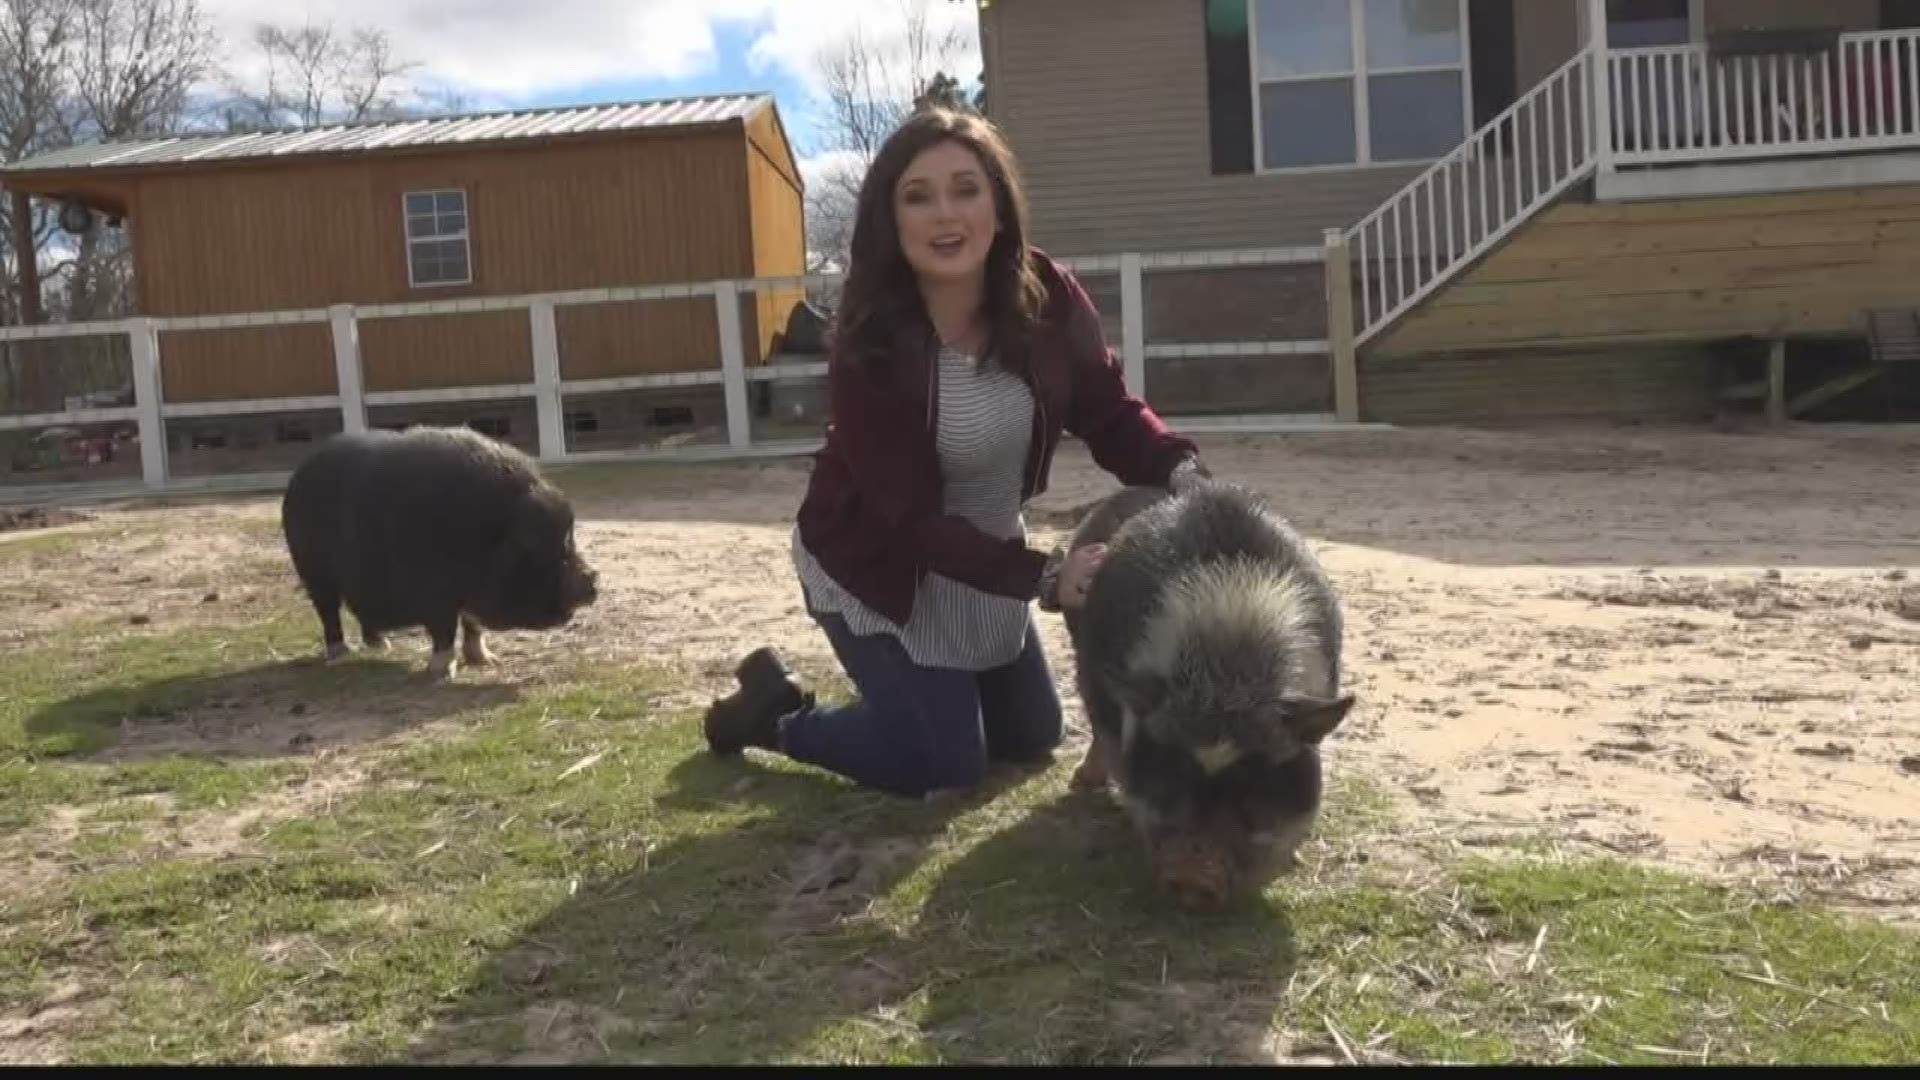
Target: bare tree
column 138, row 62
column 81, row 71
column 870, row 83
column 36, row 47
column 316, row 75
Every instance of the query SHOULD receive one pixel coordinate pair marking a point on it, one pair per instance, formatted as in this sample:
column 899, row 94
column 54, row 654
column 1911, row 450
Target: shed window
column 437, row 251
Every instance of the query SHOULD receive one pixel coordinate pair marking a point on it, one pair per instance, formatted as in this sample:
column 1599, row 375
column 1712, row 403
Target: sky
column 522, row 53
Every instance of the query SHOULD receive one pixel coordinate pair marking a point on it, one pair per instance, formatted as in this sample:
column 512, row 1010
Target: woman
column 959, row 356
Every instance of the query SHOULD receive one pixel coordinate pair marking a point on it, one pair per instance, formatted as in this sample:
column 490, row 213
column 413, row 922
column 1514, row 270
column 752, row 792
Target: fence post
column 546, row 381
column 143, row 348
column 733, row 364
column 346, row 368
column 1133, row 324
column 1777, row 381
column 1340, row 330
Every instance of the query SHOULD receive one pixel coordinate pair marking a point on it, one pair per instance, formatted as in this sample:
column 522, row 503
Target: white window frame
column 1696, row 23
column 466, row 245
column 1359, row 74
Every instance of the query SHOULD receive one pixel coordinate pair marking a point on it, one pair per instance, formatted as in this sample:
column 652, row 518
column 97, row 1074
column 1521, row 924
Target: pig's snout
column 584, row 584
column 1197, row 875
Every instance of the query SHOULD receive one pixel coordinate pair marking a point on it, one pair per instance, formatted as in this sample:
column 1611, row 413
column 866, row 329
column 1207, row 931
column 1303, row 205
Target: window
column 1636, row 24
column 437, row 238
column 1357, row 82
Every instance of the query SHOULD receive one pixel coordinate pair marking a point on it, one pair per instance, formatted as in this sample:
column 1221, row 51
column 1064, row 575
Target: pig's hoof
column 1088, row 778
column 337, row 651
column 442, row 666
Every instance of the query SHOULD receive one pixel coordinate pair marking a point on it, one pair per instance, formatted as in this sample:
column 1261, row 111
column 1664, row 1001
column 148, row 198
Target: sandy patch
column 1682, row 645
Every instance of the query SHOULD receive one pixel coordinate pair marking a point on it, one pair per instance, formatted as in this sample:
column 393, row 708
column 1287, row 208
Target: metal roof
column 398, row 134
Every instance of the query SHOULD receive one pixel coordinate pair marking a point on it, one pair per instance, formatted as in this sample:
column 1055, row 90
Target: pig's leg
column 1096, row 768
column 326, row 601
column 473, row 643
column 442, row 628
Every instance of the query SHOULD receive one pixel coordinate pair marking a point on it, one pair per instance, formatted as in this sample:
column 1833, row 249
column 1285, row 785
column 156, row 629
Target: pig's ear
column 1311, row 719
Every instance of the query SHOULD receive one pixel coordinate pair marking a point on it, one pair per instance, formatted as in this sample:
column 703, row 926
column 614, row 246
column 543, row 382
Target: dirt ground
column 1681, row 645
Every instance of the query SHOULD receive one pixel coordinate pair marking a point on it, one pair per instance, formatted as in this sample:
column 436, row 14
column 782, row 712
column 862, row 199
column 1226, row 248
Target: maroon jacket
column 872, row 513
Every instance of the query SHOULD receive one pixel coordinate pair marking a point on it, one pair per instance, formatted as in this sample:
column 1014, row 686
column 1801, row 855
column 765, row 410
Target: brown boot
column 750, row 716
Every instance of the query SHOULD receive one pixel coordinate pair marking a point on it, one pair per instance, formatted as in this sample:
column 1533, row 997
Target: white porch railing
column 1661, row 106
column 150, row 410
column 1679, row 104
column 1467, row 201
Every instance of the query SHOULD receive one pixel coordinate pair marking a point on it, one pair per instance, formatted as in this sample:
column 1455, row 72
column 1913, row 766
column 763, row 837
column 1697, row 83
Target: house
column 1621, row 208
column 467, row 208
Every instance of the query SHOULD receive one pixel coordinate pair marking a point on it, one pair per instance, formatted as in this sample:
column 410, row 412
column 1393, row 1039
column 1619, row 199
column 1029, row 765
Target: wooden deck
column 1695, row 270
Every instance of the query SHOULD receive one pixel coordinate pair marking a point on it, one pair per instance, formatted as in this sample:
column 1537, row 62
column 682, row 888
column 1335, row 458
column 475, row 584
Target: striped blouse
column 985, row 425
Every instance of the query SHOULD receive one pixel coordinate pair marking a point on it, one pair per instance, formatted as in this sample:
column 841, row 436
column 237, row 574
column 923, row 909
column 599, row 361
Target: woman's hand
column 1076, row 575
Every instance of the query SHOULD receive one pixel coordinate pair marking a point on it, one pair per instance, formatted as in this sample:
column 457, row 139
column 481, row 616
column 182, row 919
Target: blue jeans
column 913, row 730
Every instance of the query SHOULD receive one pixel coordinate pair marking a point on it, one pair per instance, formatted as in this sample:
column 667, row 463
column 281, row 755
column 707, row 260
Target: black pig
column 1208, row 655
column 435, row 527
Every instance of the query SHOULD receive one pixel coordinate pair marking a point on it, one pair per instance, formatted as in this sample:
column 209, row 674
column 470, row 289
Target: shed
column 469, row 206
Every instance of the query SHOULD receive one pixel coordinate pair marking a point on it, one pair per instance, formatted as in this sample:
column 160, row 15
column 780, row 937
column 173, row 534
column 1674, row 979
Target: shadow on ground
column 296, row 706
column 835, row 925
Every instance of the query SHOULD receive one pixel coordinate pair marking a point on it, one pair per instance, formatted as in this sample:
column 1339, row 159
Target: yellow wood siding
column 636, row 210
column 1667, row 382
column 1695, row 269
column 780, row 235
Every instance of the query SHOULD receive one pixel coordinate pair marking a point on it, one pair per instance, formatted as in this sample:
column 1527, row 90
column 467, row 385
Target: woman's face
column 944, row 207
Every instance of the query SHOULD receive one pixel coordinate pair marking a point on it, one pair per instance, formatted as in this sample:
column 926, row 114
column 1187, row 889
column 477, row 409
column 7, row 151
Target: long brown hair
column 881, row 309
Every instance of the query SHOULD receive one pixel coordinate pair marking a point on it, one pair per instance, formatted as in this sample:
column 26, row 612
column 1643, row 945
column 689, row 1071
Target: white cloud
column 815, row 168
column 798, row 29
column 492, row 48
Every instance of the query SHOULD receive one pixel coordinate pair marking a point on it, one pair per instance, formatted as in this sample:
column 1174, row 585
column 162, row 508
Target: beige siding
column 1736, row 14
column 1106, row 103
column 1546, row 34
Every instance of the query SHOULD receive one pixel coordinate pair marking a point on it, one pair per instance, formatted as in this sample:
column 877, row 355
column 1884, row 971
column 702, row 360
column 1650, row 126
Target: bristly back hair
column 1234, row 633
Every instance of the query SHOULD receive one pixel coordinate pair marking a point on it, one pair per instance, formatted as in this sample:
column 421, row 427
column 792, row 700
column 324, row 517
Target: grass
column 66, row 700
column 38, row 548
column 561, row 874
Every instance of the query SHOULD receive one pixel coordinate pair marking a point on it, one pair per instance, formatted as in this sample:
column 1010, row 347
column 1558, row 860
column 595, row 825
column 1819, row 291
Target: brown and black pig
column 435, row 527
column 1209, row 660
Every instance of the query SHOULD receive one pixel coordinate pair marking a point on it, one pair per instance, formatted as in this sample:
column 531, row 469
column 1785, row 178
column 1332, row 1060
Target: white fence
column 1681, row 104
column 549, row 391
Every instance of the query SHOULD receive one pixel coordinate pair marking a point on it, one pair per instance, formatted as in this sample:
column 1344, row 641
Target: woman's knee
column 956, row 763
